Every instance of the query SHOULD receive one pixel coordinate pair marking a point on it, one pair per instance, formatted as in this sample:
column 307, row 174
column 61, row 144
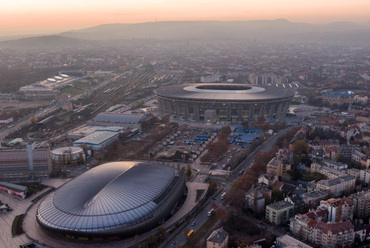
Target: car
column 193, row 224
column 214, row 198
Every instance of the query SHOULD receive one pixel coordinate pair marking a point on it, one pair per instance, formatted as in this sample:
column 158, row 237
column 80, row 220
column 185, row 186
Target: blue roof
column 338, row 94
column 246, row 138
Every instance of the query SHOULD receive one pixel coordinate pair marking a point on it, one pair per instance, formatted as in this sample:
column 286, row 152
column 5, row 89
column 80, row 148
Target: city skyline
column 41, row 16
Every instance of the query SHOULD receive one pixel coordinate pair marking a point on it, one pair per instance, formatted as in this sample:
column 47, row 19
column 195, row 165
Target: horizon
column 48, row 32
column 44, row 17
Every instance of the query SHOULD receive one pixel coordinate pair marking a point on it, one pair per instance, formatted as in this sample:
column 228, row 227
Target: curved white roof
column 108, row 197
column 67, row 150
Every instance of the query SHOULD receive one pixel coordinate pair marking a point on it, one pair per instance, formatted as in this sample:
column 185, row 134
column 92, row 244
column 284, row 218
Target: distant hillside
column 267, row 30
column 50, row 41
column 246, row 30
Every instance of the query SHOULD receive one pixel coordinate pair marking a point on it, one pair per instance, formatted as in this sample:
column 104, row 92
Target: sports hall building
column 113, row 200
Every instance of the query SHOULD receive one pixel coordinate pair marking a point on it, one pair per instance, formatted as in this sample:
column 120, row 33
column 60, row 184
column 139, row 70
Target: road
column 180, row 239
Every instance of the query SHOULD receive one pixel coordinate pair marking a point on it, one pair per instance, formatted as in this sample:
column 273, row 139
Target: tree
column 226, row 130
column 217, row 148
column 245, row 124
column 162, row 232
column 277, row 195
column 300, row 146
column 222, row 136
column 165, row 118
column 33, row 120
column 221, row 214
column 212, row 187
column 188, row 171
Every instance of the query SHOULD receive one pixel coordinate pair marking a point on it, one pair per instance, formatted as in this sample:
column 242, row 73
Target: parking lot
column 185, row 144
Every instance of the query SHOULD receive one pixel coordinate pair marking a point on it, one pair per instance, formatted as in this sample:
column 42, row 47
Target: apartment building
column 339, row 209
column 361, row 202
column 279, row 212
column 337, row 186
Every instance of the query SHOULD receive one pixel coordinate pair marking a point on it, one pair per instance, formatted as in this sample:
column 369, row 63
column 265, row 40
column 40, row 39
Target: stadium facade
column 113, row 200
column 233, row 103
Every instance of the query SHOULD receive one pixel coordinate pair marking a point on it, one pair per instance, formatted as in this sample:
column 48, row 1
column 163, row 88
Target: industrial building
column 46, row 89
column 68, row 155
column 25, row 163
column 113, row 200
column 97, row 140
column 107, row 119
column 220, row 103
column 83, row 131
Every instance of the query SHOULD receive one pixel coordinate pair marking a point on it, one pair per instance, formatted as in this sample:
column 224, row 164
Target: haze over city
column 44, row 17
column 184, row 124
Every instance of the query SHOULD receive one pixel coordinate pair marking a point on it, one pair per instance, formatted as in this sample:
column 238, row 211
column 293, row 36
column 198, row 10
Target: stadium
column 221, row 103
column 113, row 200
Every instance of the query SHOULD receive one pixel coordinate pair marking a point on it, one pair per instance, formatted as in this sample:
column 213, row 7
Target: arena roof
column 108, row 197
column 232, row 92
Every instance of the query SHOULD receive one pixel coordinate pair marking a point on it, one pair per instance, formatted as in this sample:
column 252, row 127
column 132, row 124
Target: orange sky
column 26, row 16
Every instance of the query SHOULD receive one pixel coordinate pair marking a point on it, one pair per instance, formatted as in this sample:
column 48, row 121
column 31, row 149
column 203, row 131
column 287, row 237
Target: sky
column 52, row 16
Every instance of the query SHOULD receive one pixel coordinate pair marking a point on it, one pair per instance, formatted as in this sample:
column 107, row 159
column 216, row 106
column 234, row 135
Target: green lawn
column 84, row 85
column 17, row 225
column 200, row 192
column 71, row 90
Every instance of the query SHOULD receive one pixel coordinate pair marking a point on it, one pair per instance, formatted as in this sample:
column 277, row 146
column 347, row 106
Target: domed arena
column 117, row 199
column 218, row 103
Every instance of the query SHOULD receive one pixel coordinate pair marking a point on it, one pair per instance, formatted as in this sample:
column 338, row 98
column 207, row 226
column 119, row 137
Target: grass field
column 71, row 90
column 17, row 225
column 84, row 85
column 200, row 192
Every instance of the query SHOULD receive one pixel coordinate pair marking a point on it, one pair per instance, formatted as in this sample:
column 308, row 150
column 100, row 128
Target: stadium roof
column 233, row 92
column 108, row 197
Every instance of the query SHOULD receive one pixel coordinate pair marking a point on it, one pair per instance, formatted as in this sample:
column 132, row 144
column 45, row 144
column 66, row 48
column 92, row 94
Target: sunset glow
column 24, row 16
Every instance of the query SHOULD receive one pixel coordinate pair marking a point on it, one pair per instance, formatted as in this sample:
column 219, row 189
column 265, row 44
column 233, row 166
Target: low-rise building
column 218, row 239
column 6, row 119
column 278, row 167
column 319, row 232
column 289, row 242
column 359, row 157
column 322, row 168
column 279, row 212
column 332, row 234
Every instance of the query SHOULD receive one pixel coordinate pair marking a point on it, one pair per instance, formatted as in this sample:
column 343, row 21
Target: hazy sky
column 29, row 16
